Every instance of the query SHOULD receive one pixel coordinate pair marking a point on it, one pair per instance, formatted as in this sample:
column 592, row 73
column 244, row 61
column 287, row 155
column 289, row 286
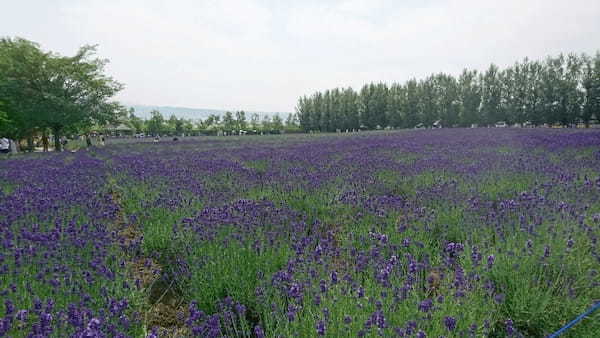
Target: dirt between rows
column 163, row 310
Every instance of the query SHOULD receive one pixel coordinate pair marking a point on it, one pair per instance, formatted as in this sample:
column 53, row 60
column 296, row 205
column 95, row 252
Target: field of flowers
column 425, row 233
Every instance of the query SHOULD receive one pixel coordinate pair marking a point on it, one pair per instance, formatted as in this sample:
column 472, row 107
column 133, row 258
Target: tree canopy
column 44, row 90
column 557, row 90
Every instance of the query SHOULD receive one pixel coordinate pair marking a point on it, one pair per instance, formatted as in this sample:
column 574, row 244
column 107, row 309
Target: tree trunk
column 45, row 140
column 30, row 144
column 57, row 145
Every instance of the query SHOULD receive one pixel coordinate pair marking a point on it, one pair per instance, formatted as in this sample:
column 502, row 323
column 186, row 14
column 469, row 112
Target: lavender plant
column 438, row 233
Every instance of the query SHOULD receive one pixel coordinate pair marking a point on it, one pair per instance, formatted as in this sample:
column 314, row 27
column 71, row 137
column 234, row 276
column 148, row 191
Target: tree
column 277, row 123
column 303, row 110
column 412, row 102
column 266, row 123
column 469, row 97
column 395, row 103
column 4, row 121
column 156, row 124
column 351, row 119
column 550, row 88
column 46, row 90
column 447, row 99
column 188, row 126
column 255, row 121
column 171, row 126
column 211, row 120
column 228, row 121
column 591, row 85
column 428, row 108
column 135, row 122
column 291, row 121
column 240, row 120
column 571, row 97
column 562, row 89
column 21, row 67
column 325, row 122
column 491, row 96
column 367, row 106
column 6, row 125
column 533, row 101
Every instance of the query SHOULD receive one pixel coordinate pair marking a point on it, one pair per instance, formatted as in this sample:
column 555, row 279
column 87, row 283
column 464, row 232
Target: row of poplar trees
column 558, row 90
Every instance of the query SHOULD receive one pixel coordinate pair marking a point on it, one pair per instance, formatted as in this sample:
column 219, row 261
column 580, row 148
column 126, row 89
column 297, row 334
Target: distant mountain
column 191, row 113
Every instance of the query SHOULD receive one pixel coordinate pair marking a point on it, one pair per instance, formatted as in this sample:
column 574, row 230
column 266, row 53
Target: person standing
column 88, row 140
column 14, row 146
column 4, row 145
column 63, row 142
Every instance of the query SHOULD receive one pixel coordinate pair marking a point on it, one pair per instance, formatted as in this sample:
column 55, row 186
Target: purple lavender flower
column 450, row 323
column 426, row 305
column 510, row 330
column 258, row 332
column 320, row 328
column 490, row 261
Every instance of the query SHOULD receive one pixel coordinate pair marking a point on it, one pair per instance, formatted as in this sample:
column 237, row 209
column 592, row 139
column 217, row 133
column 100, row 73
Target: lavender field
column 423, row 233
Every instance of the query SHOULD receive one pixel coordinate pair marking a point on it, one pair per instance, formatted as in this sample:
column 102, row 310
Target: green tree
column 591, row 86
column 396, row 102
column 266, row 124
column 171, row 126
column 21, row 68
column 572, row 98
column 533, row 101
column 447, row 99
column 135, row 122
column 46, row 90
column 491, row 96
column 255, row 121
column 228, row 122
column 469, row 97
column 317, row 111
column 303, row 110
column 428, row 107
column 156, row 123
column 240, row 120
column 187, row 125
column 412, row 104
column 276, row 123
column 211, row 121
column 291, row 121
column 351, row 119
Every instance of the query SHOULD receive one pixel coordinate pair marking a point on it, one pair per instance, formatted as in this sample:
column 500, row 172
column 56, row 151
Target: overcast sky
column 262, row 55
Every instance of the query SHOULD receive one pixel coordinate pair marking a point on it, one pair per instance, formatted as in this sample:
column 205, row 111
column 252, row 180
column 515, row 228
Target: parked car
column 500, row 124
column 420, row 126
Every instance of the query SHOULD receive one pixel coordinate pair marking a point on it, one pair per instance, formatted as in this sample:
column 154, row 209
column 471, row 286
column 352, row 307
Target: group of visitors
column 101, row 141
column 8, row 146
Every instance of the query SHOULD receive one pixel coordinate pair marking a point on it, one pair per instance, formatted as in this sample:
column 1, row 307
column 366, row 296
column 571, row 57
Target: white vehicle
column 420, row 126
column 500, row 124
